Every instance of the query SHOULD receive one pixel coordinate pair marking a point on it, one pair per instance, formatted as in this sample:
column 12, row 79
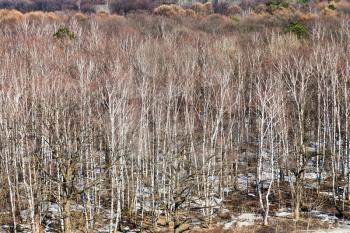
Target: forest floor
column 238, row 212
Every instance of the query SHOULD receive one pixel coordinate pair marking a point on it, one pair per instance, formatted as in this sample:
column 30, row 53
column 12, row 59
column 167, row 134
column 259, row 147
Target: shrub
column 217, row 23
column 63, row 33
column 273, row 4
column 307, row 17
column 332, row 7
column 39, row 15
column 322, row 5
column 209, row 7
column 329, row 12
column 35, row 15
column 200, row 9
column 235, row 19
column 343, row 6
column 9, row 16
column 298, row 29
column 235, row 10
column 169, row 10
column 80, row 17
column 191, row 13
column 283, row 12
column 260, row 9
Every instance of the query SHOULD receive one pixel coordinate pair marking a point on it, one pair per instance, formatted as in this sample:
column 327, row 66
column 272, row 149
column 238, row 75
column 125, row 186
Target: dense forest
column 86, row 5
column 175, row 118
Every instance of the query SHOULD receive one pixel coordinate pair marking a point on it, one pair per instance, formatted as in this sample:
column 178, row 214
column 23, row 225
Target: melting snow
column 343, row 227
column 229, row 225
column 284, row 213
column 323, row 217
column 247, row 219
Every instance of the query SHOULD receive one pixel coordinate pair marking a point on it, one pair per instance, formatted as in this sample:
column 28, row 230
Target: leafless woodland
column 148, row 121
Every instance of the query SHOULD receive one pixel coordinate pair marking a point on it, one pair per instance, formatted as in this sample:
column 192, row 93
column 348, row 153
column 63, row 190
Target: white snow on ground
column 225, row 211
column 147, row 205
column 327, row 193
column 323, row 216
column 125, row 229
column 229, row 225
column 196, row 222
column 284, row 213
column 214, row 203
column 330, row 194
column 52, row 208
column 247, row 219
column 25, row 215
column 310, row 175
column 343, row 227
column 227, row 190
column 24, row 228
column 48, row 226
column 21, row 228
column 242, row 182
column 52, row 211
column 243, row 179
column 105, row 228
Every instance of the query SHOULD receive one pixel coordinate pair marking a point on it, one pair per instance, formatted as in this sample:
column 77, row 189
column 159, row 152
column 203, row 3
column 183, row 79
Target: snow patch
column 343, row 227
column 247, row 219
column 229, row 225
column 284, row 213
column 323, row 216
